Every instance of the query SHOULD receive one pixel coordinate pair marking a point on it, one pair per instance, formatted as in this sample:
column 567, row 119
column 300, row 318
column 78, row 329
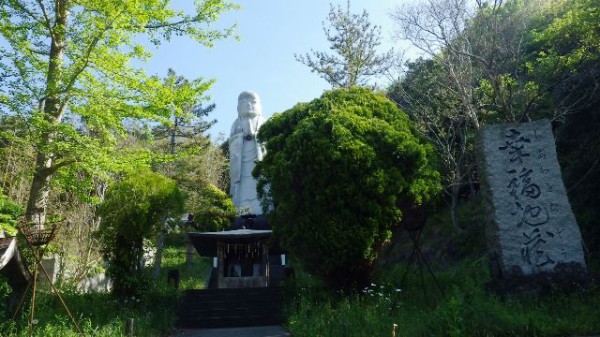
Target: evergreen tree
column 354, row 41
column 341, row 171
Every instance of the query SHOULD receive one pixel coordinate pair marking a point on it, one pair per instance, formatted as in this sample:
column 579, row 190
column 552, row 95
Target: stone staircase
column 220, row 308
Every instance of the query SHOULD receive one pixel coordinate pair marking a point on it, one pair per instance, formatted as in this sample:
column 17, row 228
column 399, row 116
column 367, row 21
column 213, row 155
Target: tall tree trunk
column 40, row 189
column 159, row 254
column 53, row 112
column 161, row 235
column 456, row 184
column 454, row 195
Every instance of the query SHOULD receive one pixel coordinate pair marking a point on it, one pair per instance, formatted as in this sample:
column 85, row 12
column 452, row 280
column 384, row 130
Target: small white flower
column 398, row 290
column 373, row 285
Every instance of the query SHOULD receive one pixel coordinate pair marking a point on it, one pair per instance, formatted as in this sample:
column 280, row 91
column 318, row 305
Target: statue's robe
column 244, row 150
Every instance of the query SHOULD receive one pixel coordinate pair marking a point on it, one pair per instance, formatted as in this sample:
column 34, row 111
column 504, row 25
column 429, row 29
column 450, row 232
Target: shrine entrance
column 240, row 257
column 242, row 265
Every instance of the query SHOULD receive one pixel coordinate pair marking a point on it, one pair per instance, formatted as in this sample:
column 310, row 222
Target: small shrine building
column 242, row 258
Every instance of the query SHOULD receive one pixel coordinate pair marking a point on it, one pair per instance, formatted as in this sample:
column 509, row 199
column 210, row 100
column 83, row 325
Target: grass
column 99, row 314
column 96, row 314
column 464, row 309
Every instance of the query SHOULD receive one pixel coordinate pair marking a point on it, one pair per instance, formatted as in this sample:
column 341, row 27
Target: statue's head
column 249, row 104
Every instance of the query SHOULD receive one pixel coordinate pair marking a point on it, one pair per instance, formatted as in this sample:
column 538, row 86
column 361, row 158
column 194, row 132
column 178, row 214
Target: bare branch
column 28, row 11
column 47, row 20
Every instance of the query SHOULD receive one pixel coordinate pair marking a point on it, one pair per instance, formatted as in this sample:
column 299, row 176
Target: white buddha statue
column 243, row 151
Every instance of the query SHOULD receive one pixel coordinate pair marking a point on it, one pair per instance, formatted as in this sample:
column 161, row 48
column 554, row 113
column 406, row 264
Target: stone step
column 204, row 306
column 217, row 298
column 230, row 312
column 239, row 291
column 229, row 322
column 210, row 308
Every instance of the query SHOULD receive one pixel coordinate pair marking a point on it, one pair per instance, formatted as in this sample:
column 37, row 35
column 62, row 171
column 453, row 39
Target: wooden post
column 190, row 251
column 265, row 263
column 129, row 331
column 220, row 265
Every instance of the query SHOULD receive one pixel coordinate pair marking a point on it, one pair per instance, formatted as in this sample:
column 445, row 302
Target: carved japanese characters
column 533, row 228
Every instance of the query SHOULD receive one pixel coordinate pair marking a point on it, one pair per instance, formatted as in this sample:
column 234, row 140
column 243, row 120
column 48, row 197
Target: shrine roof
column 236, row 233
column 206, row 242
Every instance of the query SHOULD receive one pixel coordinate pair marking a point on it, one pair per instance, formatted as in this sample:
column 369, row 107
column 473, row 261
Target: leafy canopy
column 70, row 71
column 94, row 77
column 339, row 171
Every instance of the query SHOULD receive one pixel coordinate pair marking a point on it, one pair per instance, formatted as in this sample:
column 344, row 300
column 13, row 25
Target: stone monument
column 244, row 150
column 532, row 227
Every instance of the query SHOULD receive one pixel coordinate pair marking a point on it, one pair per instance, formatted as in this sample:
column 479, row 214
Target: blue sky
column 270, row 31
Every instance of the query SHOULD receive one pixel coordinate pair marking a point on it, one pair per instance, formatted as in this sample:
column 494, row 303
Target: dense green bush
column 133, row 212
column 215, row 211
column 339, row 171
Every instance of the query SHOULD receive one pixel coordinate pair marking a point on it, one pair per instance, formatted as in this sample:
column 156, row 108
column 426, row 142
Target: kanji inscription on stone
column 533, row 228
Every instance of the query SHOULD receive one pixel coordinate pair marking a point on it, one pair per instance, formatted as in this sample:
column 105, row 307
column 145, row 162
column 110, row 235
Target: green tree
column 564, row 47
column 16, row 157
column 133, row 212
column 177, row 142
column 339, row 171
column 569, row 44
column 190, row 157
column 69, row 60
column 185, row 132
column 213, row 209
column 354, row 41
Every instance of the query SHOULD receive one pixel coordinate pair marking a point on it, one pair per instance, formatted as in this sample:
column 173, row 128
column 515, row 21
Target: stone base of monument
column 250, row 221
column 566, row 278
